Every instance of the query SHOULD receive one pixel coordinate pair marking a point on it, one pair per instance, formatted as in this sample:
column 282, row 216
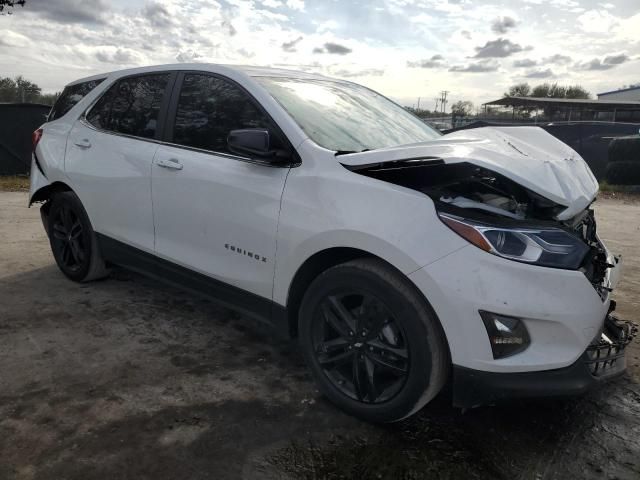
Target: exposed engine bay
column 465, row 186
column 471, row 191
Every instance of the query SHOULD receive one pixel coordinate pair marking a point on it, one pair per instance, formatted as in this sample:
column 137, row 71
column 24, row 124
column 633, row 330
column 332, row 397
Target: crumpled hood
column 527, row 155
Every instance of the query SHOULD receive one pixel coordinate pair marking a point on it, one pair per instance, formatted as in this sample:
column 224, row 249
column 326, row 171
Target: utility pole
column 419, row 103
column 437, row 101
column 443, row 100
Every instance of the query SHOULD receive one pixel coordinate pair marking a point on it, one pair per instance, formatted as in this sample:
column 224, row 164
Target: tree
column 553, row 90
column 49, row 98
column 19, row 89
column 519, row 90
column 6, row 6
column 7, row 89
column 26, row 91
column 547, row 90
column 462, row 108
column 576, row 91
column 422, row 113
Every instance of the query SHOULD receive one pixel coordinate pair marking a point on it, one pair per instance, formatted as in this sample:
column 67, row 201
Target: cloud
column 503, row 24
column 71, row 11
column 616, row 59
column 557, row 59
column 295, row 5
column 333, row 48
column 63, row 40
column 13, row 39
column 608, row 63
column 477, row 67
column 546, row 73
column 228, row 26
column 499, row 48
column 326, row 26
column 246, row 53
column 188, row 56
column 291, row 46
column 596, row 21
column 157, row 15
column 434, row 62
column 118, row 56
column 525, row 63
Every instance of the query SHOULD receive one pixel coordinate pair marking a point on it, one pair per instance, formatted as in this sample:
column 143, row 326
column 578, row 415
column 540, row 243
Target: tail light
column 35, row 138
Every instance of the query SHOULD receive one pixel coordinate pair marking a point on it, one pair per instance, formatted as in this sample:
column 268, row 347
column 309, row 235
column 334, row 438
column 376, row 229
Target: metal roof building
column 573, row 109
column 624, row 94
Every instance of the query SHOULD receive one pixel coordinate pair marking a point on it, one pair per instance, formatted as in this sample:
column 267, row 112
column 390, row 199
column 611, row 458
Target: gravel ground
column 126, row 378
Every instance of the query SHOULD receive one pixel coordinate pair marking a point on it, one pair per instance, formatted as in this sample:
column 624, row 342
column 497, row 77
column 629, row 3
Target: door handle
column 171, row 163
column 84, row 143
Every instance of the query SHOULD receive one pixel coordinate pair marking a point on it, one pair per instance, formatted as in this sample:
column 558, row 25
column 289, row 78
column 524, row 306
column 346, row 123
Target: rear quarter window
column 131, row 106
column 70, row 96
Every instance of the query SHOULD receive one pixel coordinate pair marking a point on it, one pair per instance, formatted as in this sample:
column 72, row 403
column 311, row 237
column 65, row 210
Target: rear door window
column 131, row 106
column 210, row 107
column 70, row 96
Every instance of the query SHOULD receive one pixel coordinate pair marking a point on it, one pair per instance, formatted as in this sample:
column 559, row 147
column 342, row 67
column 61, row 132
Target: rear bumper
column 603, row 360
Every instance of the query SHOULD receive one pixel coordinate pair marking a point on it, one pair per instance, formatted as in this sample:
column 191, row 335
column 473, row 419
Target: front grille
column 605, row 356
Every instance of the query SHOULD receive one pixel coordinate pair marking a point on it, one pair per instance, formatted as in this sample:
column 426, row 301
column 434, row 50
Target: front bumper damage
column 603, row 360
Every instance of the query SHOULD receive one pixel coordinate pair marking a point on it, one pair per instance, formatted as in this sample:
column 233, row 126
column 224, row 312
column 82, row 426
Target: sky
column 405, row 49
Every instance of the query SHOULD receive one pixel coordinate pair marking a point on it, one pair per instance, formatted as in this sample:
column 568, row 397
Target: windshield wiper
column 347, row 152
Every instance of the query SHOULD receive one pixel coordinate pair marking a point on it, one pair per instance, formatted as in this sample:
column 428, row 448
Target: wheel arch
column 45, row 193
column 309, row 271
column 322, row 261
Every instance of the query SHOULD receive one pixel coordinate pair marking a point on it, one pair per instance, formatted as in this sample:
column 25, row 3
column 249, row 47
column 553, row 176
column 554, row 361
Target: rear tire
column 73, row 242
column 373, row 344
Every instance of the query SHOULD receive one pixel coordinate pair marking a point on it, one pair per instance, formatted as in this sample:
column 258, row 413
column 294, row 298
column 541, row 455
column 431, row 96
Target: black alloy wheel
column 68, row 239
column 360, row 346
column 373, row 343
column 73, row 242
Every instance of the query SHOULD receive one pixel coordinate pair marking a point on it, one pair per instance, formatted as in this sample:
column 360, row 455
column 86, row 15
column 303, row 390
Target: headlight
column 545, row 246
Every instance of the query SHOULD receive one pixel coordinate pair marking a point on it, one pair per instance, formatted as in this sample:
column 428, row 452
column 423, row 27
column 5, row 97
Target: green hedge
column 623, row 173
column 625, row 149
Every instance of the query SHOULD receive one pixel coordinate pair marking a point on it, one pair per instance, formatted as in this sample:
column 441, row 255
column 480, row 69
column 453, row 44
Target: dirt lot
column 126, row 378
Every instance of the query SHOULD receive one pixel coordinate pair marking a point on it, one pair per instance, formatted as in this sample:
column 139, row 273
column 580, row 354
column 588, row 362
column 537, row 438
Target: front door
column 215, row 212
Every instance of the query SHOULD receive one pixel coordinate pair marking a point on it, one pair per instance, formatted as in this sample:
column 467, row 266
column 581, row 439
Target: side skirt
column 147, row 264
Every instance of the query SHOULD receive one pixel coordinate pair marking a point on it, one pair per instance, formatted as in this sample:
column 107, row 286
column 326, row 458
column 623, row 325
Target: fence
column 17, row 123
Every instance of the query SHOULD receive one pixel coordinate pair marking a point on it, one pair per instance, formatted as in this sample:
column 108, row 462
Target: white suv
column 400, row 258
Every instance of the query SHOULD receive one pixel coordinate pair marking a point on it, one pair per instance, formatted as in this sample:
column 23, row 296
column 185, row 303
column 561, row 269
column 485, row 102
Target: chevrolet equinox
column 400, row 258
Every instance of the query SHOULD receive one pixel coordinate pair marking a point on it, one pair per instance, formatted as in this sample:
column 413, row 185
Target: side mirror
column 255, row 143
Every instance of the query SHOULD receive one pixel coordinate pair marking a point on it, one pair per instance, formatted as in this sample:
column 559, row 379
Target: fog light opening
column 507, row 335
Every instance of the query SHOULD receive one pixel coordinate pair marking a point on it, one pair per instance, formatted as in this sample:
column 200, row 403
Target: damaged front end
column 500, row 216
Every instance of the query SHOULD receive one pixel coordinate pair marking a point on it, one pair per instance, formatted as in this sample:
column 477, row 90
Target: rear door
column 215, row 212
column 109, row 156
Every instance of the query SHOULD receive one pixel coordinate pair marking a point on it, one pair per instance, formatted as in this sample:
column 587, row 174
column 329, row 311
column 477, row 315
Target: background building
column 625, row 94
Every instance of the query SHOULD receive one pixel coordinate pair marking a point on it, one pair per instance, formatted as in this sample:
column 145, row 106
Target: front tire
column 73, row 242
column 373, row 344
